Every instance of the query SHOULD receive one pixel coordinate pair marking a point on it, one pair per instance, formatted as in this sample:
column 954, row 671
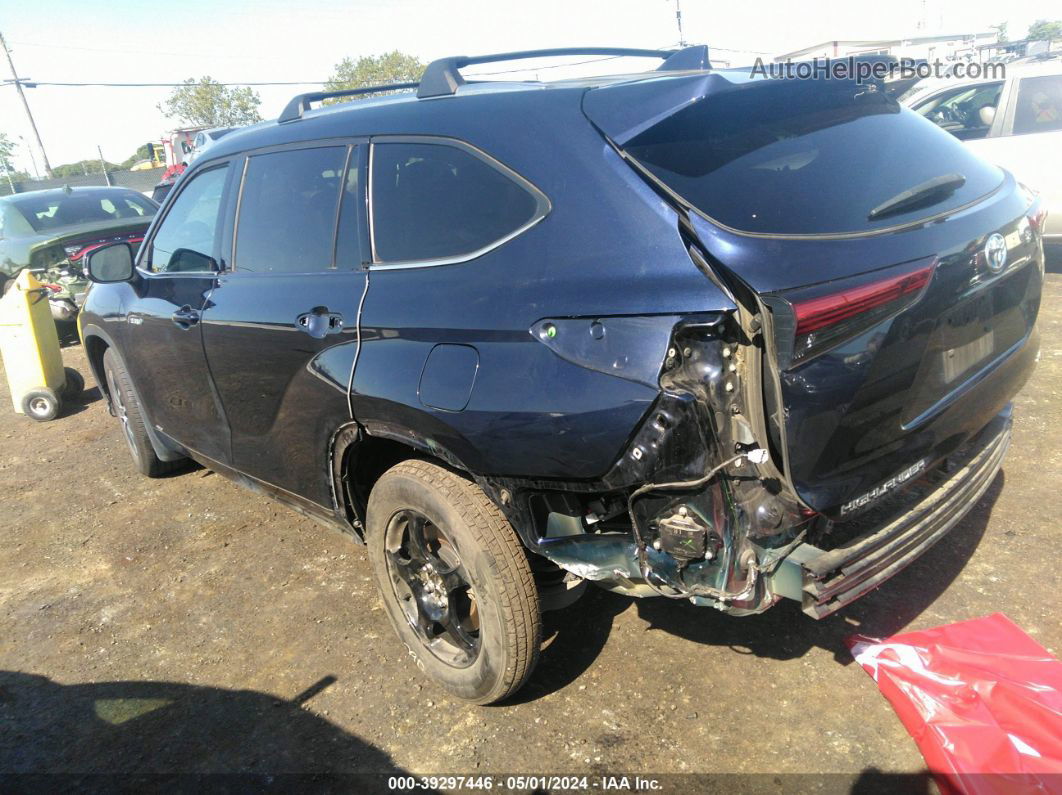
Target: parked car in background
column 687, row 334
column 1015, row 122
column 50, row 231
column 204, row 139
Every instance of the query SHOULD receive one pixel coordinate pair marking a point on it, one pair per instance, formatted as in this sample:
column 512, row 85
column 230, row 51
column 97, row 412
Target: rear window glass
column 51, row 211
column 435, row 201
column 807, row 157
column 1039, row 105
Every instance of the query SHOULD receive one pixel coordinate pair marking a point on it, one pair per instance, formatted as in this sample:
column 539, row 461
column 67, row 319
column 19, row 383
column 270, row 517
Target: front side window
column 185, row 240
column 1039, row 105
column 967, row 112
column 439, row 201
column 288, row 210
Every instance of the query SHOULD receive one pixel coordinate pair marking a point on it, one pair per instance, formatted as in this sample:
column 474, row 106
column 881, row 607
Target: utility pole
column 678, row 21
column 33, row 160
column 103, row 165
column 7, row 173
column 25, row 104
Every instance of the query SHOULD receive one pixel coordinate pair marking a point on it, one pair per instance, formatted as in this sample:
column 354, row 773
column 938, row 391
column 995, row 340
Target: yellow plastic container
column 29, row 345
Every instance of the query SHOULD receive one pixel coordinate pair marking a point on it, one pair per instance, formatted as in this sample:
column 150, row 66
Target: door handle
column 186, row 317
column 319, row 322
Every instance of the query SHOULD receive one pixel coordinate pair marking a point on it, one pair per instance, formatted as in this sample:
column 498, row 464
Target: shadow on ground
column 575, row 636
column 153, row 728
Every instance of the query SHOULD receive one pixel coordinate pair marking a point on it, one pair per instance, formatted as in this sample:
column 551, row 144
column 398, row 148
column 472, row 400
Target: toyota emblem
column 996, row 252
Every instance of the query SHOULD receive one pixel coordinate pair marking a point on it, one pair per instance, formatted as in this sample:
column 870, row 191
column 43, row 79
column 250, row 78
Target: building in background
column 945, row 47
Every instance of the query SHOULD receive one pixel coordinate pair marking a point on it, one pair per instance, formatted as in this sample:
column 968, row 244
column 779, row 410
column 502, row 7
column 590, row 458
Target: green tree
column 82, row 168
column 1001, row 31
column 7, row 152
column 374, row 70
column 1043, row 30
column 207, row 103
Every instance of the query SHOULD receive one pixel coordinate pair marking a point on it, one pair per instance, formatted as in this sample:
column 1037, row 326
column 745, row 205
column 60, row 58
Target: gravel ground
column 185, row 624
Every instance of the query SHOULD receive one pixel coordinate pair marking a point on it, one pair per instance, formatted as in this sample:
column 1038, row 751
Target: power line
column 34, row 83
column 127, row 50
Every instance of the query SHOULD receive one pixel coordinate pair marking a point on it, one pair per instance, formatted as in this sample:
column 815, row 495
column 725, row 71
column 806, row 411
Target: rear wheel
column 124, row 406
column 454, row 580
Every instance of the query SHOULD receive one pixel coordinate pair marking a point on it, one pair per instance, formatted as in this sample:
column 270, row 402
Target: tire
column 41, row 405
column 125, row 407
column 74, row 384
column 486, row 643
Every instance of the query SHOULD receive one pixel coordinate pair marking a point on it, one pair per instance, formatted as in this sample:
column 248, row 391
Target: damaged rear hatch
column 897, row 276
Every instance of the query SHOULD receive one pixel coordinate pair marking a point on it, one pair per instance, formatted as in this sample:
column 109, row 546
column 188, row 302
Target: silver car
column 1014, row 121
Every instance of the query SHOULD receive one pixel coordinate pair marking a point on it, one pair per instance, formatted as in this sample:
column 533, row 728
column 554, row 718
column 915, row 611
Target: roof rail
column 301, row 103
column 442, row 77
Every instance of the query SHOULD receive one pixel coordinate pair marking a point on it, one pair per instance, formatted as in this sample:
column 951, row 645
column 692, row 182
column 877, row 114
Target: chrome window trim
column 236, row 215
column 368, row 205
column 543, row 206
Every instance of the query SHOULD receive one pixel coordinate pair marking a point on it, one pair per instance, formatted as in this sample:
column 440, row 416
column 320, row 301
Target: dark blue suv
column 689, row 333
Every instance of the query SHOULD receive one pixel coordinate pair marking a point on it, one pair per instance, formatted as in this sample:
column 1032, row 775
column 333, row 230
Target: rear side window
column 439, row 201
column 288, row 210
column 807, row 157
column 1039, row 106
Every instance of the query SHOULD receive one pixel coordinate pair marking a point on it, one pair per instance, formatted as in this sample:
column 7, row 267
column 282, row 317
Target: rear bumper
column 827, row 580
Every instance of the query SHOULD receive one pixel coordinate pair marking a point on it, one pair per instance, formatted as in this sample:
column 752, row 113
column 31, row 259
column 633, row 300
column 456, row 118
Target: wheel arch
column 97, row 343
column 360, row 454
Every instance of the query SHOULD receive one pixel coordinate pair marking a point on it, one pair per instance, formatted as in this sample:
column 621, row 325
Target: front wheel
column 125, row 407
column 454, row 580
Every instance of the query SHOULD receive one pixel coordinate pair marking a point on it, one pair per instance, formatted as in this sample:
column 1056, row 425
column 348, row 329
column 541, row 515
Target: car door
column 280, row 329
column 162, row 338
column 1031, row 143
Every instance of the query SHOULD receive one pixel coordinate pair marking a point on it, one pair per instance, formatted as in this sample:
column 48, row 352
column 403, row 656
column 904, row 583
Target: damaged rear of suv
column 690, row 334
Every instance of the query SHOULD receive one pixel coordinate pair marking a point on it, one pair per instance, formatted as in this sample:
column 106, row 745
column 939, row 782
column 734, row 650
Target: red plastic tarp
column 981, row 698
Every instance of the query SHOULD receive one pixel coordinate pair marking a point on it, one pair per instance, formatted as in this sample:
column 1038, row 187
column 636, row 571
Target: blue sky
column 234, row 40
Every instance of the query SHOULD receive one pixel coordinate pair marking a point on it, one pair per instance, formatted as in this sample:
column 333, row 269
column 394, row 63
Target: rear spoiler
column 442, row 77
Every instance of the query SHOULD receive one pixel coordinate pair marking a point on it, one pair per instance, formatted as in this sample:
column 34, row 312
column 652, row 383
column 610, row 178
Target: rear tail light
column 811, row 321
column 1037, row 220
column 85, row 249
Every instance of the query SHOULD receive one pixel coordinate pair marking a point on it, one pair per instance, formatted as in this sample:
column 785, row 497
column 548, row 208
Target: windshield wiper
column 922, row 195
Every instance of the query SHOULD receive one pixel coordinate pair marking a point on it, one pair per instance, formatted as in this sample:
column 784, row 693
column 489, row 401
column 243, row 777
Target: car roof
column 390, row 114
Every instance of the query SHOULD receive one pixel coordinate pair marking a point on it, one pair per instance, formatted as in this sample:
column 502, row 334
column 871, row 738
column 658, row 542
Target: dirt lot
column 185, row 624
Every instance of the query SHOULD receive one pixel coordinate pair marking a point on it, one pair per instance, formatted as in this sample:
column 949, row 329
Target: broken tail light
column 1038, row 219
column 811, row 321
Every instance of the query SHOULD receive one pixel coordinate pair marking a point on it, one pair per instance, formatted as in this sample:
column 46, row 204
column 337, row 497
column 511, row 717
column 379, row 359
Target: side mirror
column 109, row 264
column 187, row 259
column 987, row 114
